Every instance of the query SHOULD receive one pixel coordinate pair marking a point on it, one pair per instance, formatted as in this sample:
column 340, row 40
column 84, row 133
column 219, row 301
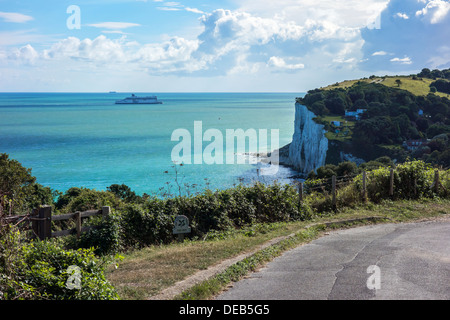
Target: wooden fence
column 40, row 222
column 435, row 186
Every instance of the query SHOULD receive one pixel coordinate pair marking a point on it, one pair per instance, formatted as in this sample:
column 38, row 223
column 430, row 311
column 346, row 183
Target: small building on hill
column 356, row 115
column 414, row 144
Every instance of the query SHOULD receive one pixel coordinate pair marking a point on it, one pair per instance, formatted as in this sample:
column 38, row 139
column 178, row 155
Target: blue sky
column 193, row 45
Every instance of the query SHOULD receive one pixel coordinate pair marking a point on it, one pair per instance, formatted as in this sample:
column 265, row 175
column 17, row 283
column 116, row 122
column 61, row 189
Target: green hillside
column 401, row 117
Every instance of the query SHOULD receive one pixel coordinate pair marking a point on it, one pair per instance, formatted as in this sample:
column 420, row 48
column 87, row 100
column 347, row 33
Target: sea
column 86, row 140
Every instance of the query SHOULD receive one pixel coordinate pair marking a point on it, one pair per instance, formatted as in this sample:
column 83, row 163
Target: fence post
column 34, row 224
column 300, row 194
column 436, row 181
column 391, row 183
column 45, row 222
column 364, row 195
column 105, row 212
column 78, row 223
column 333, row 191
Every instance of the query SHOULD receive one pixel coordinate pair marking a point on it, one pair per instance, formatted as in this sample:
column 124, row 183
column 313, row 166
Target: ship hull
column 140, row 102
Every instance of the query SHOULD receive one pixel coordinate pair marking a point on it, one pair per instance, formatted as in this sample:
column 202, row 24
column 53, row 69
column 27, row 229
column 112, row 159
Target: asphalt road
column 386, row 262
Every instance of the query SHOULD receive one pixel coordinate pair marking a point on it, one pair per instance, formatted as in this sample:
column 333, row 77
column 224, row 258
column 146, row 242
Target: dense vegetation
column 392, row 115
column 39, row 269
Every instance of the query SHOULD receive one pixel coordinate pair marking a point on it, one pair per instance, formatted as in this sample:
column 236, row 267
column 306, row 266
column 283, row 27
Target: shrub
column 104, row 238
column 40, row 270
column 239, row 208
column 413, row 180
column 152, row 223
column 88, row 199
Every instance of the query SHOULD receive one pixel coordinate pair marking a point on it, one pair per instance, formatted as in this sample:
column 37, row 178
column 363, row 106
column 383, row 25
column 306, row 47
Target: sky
column 215, row 46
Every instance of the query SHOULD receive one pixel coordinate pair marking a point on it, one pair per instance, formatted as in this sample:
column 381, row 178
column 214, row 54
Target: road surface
column 388, row 261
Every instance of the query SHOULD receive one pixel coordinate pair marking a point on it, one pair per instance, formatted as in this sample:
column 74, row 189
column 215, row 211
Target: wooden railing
column 40, row 221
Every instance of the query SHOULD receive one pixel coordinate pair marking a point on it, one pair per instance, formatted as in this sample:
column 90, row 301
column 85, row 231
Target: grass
column 146, row 272
column 419, row 87
column 346, row 125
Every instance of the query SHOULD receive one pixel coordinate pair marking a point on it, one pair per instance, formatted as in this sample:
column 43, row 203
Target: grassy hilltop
column 417, row 86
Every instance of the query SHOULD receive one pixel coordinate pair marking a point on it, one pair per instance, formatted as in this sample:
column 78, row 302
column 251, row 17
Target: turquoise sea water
column 85, row 140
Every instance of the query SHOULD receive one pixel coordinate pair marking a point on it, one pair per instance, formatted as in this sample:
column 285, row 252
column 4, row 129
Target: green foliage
column 146, row 225
column 104, row 238
column 441, row 86
column 19, row 192
column 82, row 199
column 40, row 270
column 123, row 192
column 412, row 180
column 152, row 222
column 392, row 114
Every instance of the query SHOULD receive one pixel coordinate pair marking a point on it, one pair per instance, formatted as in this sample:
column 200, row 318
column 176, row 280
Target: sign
column 181, row 225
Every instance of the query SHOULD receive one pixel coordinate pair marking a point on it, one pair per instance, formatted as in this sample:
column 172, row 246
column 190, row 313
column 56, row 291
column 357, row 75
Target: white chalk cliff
column 308, row 150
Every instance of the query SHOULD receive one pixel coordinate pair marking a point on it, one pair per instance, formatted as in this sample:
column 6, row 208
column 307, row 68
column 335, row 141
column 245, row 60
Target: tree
column 436, row 73
column 336, row 105
column 437, row 129
column 124, row 192
column 425, row 73
column 346, row 168
column 319, row 108
column 375, row 131
column 398, row 82
column 441, row 86
column 327, row 171
column 444, row 158
column 19, row 191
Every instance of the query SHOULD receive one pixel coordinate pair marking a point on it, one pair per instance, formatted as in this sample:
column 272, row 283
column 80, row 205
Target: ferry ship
column 139, row 100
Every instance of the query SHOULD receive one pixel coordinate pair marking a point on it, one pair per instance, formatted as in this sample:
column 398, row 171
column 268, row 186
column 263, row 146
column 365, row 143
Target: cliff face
column 308, row 150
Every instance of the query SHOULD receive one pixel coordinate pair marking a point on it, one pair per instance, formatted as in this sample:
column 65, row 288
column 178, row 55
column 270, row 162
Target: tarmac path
column 385, row 262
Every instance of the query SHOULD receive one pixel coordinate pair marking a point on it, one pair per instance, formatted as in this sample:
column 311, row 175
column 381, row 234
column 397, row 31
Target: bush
column 152, row 223
column 139, row 225
column 40, row 270
column 104, row 238
column 413, row 180
column 88, row 199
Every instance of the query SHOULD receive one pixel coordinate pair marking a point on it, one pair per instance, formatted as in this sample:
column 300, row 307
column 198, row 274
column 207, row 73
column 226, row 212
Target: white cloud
column 349, row 13
column 100, row 50
column 440, row 59
column 26, row 55
column 168, row 8
column 231, row 42
column 194, row 10
column 379, row 53
column 402, row 15
column 435, row 10
column 405, row 60
column 173, row 55
column 114, row 25
column 280, row 63
column 15, row 17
